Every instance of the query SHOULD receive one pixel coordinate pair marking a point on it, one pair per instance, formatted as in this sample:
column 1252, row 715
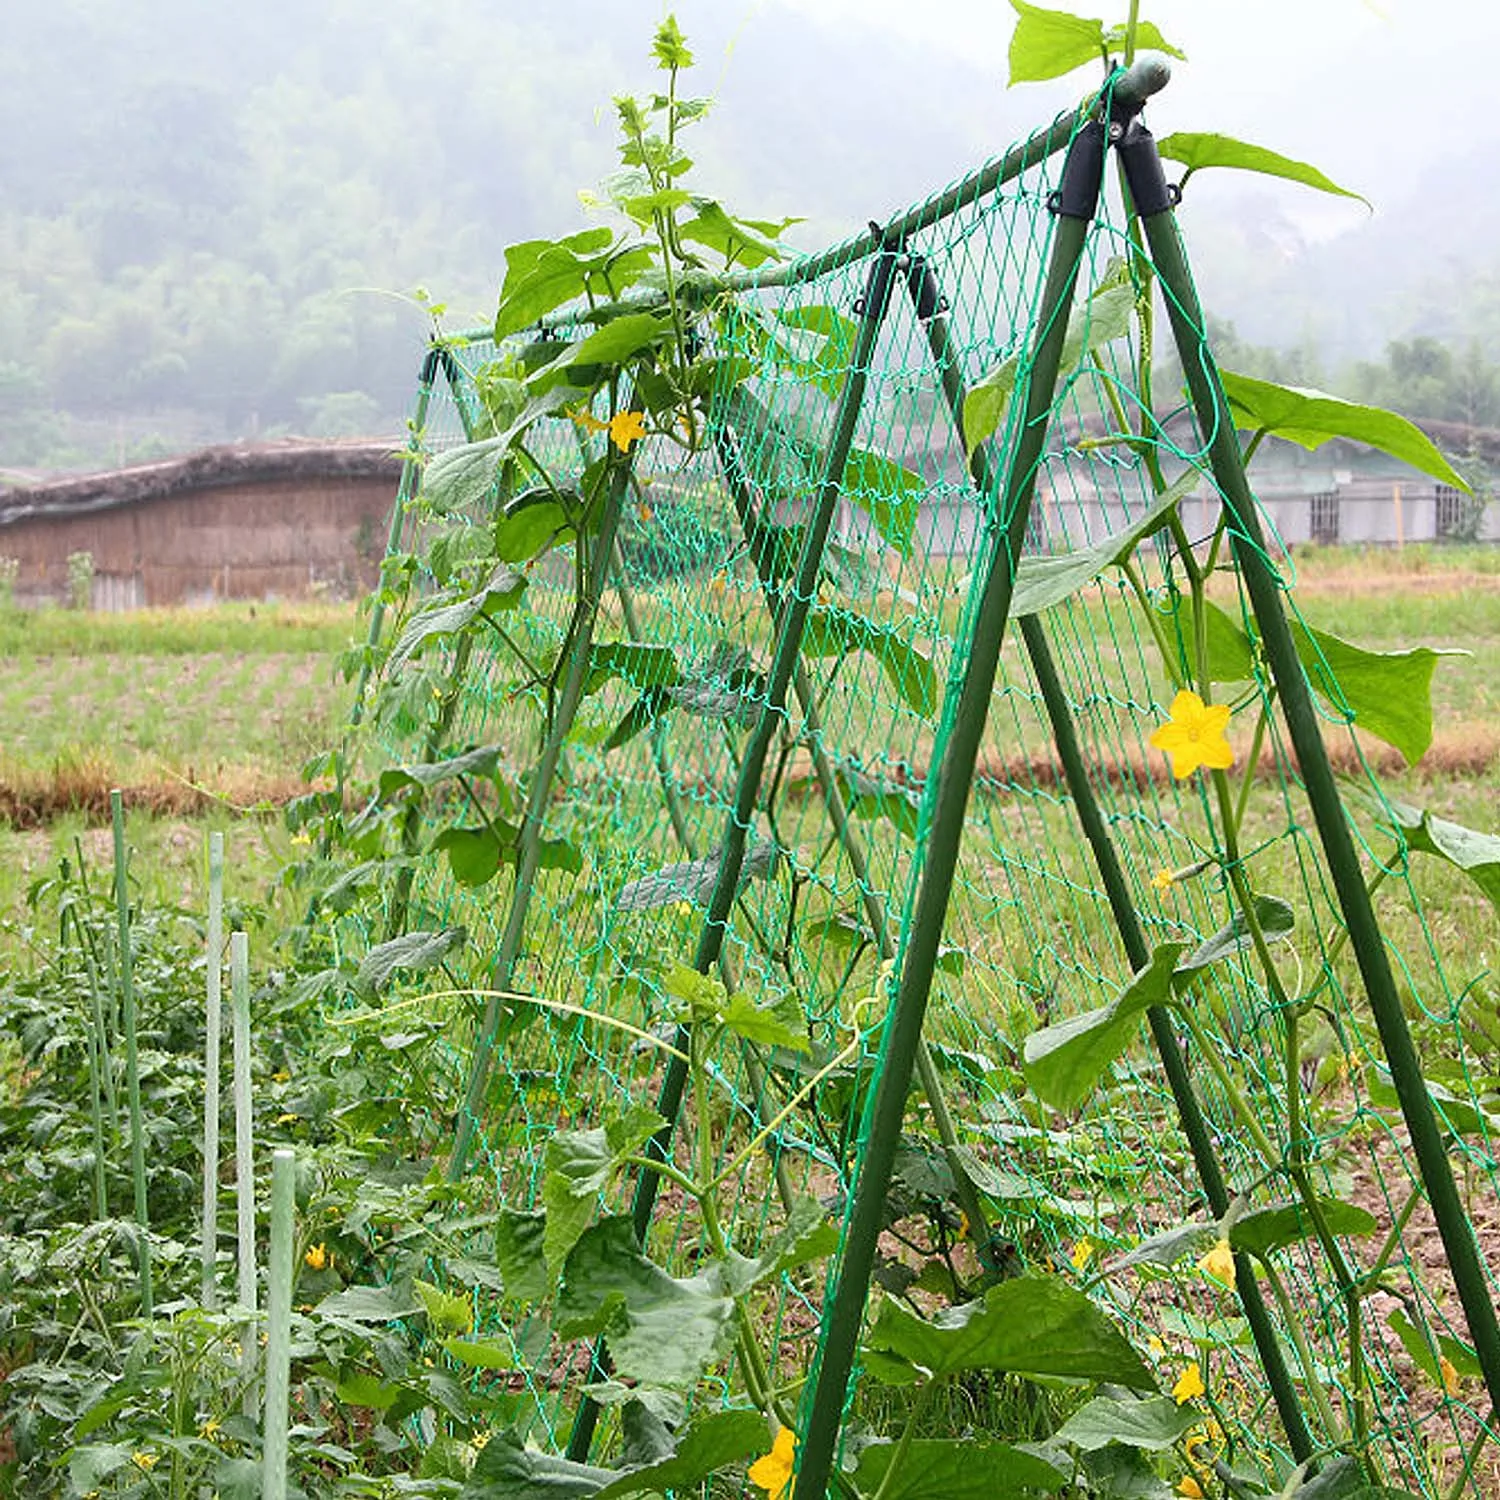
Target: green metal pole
column 406, row 489
column 927, row 301
column 528, row 860
column 132, row 1059
column 783, row 664
column 854, row 851
column 1216, row 422
column 1076, row 203
column 442, row 723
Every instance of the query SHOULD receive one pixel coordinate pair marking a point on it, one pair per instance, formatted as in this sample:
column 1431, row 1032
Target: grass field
column 197, row 715
column 200, row 715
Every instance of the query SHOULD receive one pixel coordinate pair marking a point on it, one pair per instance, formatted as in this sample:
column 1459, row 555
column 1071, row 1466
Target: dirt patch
column 35, row 801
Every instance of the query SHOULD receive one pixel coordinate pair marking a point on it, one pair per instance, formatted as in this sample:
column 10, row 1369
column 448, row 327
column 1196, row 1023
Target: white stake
column 244, row 1148
column 214, row 1023
column 279, row 1331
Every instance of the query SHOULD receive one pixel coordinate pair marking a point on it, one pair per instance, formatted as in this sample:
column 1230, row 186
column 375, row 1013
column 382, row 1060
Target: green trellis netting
column 675, row 758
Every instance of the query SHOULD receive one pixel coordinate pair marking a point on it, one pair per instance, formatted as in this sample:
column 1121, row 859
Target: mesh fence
column 698, row 586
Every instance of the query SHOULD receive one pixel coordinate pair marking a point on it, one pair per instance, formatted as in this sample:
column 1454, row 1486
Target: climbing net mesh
column 644, row 792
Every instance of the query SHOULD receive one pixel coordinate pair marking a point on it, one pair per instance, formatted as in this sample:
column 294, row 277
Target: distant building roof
column 211, row 468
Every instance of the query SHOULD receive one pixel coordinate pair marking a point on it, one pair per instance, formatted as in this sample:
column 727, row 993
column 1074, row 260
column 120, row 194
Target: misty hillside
column 213, row 217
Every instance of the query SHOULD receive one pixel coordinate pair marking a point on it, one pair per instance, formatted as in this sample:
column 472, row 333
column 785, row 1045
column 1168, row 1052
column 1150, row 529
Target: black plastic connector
column 926, row 296
column 1077, row 194
column 1150, row 191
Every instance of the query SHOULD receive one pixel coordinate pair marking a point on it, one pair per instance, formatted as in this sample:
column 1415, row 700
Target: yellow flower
column 281, row 1076
column 717, row 584
column 1195, row 735
column 625, row 428
column 1189, row 1385
column 317, row 1258
column 209, row 1429
column 286, row 1119
column 644, row 511
column 963, row 1225
column 1449, row 1374
column 773, row 1471
column 1083, row 1253
column 146, row 1461
column 1156, row 1346
column 1190, row 1487
column 1218, row 1264
column 1163, row 879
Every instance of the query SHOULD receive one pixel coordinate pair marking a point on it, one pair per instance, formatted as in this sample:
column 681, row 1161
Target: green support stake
column 213, row 1033
column 1075, row 204
column 793, row 625
column 528, row 861
column 126, row 971
column 1154, row 202
column 279, row 1325
column 244, row 1154
column 787, row 655
column 854, row 850
column 927, row 300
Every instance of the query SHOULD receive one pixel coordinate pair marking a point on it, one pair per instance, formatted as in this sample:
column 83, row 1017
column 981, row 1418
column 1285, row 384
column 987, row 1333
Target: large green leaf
column 448, row 1315
column 1276, row 919
column 444, row 617
column 357, row 1306
column 662, row 1330
column 1033, row 1325
column 1267, row 1230
column 543, row 275
column 693, row 880
column 1389, row 693
column 519, row 1254
column 868, row 798
column 412, row 951
column 1095, row 322
column 461, row 479
column 835, row 631
column 1064, row 1062
column 1196, row 150
column 1460, row 1115
column 1153, row 1424
column 746, row 242
column 481, row 761
column 945, row 1469
column 476, row 854
column 1049, row 43
column 1344, row 1479
column 1310, row 418
column 889, row 494
column 641, row 665
column 507, row 1469
column 809, row 1235
column 711, row 1443
column 579, row 1166
column 619, row 339
column 1476, row 854
column 1044, row 581
column 532, row 523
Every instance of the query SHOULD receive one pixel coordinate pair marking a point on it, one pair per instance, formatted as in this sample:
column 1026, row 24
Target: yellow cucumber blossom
column 1194, row 735
column 774, row 1471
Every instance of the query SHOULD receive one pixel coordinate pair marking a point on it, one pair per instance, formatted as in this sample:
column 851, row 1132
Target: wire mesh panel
column 568, row 985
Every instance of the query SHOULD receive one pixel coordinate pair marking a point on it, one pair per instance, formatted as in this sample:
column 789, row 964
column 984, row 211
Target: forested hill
column 212, row 216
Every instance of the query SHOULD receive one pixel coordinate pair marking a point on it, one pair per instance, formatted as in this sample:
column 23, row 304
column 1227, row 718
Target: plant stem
column 1332, row 1425
column 903, row 1443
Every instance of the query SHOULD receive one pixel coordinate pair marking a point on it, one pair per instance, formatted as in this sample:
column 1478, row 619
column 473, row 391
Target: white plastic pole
column 244, row 1148
column 279, row 1326
column 214, row 1026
